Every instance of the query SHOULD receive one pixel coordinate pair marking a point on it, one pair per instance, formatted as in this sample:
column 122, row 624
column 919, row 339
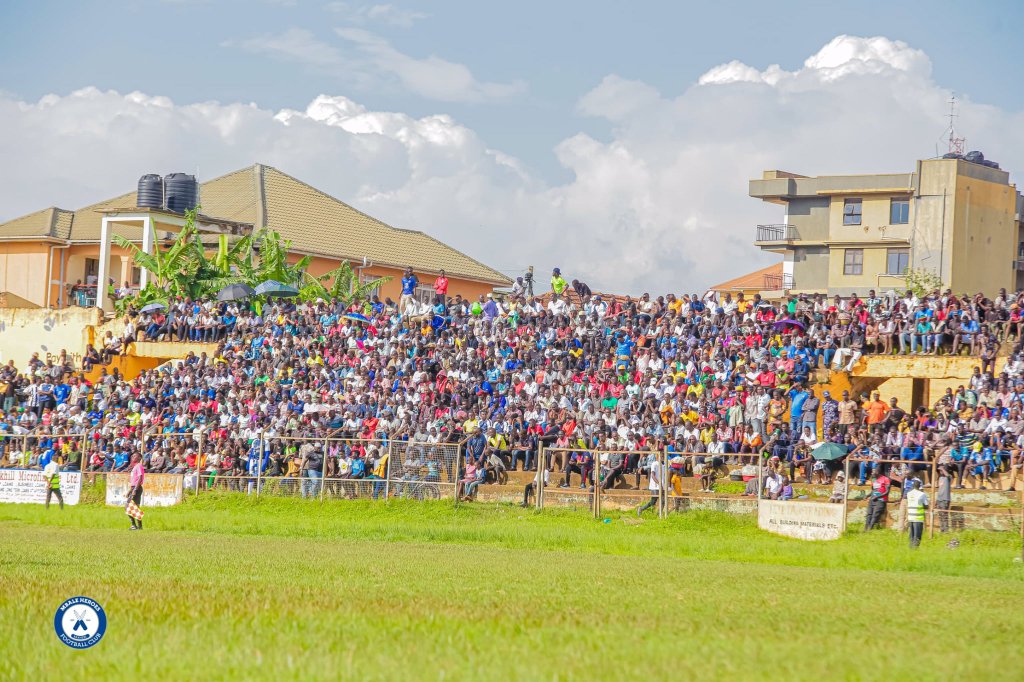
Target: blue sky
column 548, row 92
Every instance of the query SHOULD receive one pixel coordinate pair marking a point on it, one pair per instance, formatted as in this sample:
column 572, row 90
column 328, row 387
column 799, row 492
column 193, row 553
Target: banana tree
column 272, row 260
column 172, row 269
column 340, row 284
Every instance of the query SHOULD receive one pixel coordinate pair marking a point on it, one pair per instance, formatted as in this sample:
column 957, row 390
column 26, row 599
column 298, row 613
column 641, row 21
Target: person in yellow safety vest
column 917, row 502
column 51, row 473
column 558, row 283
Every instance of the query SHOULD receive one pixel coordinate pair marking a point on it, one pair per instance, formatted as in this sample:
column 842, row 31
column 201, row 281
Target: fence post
column 933, row 507
column 662, row 465
column 199, row 460
column 259, row 462
column 846, row 490
column 541, row 468
column 387, row 469
column 458, row 471
column 323, row 469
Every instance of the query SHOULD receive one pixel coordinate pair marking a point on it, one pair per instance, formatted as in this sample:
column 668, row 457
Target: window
column 897, row 261
column 853, row 262
column 424, row 293
column 899, row 211
column 851, row 211
column 92, row 269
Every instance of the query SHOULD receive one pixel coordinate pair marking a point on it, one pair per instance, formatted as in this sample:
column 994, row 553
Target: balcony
column 775, row 234
column 778, row 282
column 1018, row 265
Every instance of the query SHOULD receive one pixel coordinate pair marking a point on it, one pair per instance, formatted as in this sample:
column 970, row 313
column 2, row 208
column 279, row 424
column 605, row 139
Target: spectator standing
column 558, row 283
column 879, row 501
column 51, row 476
column 440, row 289
column 409, row 284
column 917, row 502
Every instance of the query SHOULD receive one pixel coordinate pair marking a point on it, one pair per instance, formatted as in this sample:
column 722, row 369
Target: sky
column 613, row 140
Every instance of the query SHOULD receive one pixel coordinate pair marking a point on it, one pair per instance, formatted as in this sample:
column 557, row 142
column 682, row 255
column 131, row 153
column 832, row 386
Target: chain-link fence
column 310, row 467
column 430, row 471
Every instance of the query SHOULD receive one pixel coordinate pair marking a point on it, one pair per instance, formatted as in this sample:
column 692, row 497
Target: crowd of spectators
column 715, row 381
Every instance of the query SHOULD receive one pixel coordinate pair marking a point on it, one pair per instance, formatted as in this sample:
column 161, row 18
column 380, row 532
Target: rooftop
column 262, row 196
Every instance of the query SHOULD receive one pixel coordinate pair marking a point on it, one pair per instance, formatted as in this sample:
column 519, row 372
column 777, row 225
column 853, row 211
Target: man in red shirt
column 441, row 289
column 879, row 500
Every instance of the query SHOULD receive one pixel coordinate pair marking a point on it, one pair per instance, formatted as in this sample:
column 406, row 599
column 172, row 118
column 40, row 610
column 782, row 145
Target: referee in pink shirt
column 137, row 476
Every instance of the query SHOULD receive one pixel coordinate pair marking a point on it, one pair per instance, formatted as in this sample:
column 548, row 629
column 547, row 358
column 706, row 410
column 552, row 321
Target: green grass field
column 229, row 587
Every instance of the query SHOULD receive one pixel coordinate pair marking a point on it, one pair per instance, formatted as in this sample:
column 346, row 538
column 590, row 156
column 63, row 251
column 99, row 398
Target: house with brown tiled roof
column 770, row 282
column 43, row 253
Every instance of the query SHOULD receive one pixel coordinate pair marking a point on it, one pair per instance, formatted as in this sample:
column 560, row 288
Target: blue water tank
column 151, row 192
column 181, row 192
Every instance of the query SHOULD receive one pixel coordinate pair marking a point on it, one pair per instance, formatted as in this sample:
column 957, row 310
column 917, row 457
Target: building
column 766, row 281
column 42, row 253
column 843, row 234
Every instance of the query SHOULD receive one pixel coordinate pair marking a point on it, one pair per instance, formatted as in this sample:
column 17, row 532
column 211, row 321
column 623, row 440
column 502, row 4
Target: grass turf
column 232, row 587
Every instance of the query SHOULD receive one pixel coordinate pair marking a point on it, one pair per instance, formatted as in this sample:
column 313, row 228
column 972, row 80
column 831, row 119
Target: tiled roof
column 318, row 223
column 50, row 222
column 260, row 195
column 751, row 280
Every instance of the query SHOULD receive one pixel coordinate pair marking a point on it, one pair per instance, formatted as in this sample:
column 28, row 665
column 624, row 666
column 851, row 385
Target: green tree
column 921, row 281
column 340, row 284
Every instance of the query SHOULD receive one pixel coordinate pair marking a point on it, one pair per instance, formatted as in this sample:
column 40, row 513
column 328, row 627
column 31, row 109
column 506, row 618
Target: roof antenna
column 955, row 144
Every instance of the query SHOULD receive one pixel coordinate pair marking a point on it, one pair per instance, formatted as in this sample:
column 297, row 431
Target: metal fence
column 329, row 467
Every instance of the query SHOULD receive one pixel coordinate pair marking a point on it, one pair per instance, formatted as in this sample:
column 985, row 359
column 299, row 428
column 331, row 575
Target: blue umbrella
column 275, row 288
column 356, row 317
column 152, row 307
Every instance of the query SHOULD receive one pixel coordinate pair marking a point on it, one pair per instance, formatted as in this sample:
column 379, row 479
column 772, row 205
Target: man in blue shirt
column 409, row 283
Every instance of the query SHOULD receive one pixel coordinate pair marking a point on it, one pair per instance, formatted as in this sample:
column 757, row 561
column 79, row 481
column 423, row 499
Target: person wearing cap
column 917, row 502
column 558, row 283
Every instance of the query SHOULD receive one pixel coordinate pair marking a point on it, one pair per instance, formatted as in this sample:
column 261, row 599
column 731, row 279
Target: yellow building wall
column 875, row 216
column 319, row 266
column 984, row 237
column 875, row 263
column 23, row 268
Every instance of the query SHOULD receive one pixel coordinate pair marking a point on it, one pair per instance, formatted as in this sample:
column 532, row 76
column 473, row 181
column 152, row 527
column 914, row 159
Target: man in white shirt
column 51, row 475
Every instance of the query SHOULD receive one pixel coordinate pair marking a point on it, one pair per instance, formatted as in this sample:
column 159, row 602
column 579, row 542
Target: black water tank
column 181, row 192
column 974, row 157
column 151, row 192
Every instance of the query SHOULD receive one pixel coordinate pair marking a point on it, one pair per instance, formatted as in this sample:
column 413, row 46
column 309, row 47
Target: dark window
column 899, row 211
column 851, row 211
column 853, row 262
column 897, row 261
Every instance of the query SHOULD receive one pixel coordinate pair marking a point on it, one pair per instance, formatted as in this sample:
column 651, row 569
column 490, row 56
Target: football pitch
column 237, row 588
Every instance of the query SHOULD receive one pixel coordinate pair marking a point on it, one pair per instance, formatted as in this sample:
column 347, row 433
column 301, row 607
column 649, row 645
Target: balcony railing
column 1018, row 264
column 778, row 282
column 775, row 233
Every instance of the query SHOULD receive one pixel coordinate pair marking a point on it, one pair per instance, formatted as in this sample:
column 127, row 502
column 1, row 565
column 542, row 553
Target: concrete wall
column 23, row 268
column 810, row 268
column 810, row 217
column 47, row 332
column 985, row 239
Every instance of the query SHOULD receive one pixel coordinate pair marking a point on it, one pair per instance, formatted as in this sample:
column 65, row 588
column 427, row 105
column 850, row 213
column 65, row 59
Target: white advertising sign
column 158, row 490
column 24, row 486
column 803, row 520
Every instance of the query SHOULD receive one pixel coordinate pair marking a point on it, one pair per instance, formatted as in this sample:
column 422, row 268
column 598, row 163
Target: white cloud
column 431, row 76
column 370, row 61
column 296, row 44
column 383, row 13
column 659, row 205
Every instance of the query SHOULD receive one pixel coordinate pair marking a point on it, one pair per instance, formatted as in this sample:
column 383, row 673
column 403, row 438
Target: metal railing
column 392, row 469
column 783, row 281
column 776, row 233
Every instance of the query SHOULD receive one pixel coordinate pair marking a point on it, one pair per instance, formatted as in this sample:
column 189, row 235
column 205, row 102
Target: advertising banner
column 24, row 486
